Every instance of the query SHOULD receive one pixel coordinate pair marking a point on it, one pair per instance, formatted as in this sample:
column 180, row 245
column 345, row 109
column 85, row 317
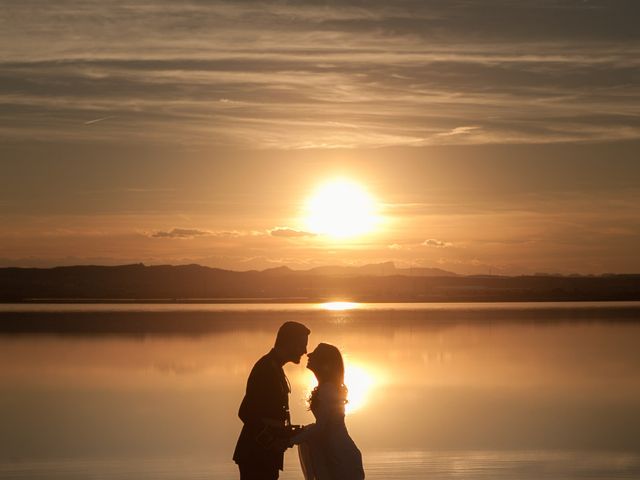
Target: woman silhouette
column 326, row 450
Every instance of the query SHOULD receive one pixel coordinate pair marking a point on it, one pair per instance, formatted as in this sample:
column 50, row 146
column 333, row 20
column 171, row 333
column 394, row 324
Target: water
column 439, row 391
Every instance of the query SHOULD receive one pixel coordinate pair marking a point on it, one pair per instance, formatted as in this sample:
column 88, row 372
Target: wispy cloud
column 289, row 233
column 101, row 119
column 458, row 131
column 304, row 75
column 433, row 242
column 181, row 233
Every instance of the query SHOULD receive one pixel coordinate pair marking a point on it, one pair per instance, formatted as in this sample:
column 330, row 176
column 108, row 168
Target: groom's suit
column 266, row 397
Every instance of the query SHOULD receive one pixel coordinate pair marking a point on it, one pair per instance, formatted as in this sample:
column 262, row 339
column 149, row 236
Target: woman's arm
column 329, row 405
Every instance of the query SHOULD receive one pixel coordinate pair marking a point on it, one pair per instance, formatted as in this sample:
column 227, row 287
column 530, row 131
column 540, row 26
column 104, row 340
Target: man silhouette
column 264, row 410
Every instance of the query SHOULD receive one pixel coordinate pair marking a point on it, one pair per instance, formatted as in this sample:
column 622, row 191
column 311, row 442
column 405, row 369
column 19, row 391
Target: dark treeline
column 375, row 283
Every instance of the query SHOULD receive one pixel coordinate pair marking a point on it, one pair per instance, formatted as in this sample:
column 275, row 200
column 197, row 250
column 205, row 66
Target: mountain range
column 370, row 283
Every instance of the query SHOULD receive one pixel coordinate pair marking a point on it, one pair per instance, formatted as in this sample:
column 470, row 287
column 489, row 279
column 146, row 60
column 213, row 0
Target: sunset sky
column 491, row 136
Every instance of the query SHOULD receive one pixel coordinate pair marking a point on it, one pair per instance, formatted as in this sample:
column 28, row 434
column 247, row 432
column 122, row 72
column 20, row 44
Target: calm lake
column 438, row 391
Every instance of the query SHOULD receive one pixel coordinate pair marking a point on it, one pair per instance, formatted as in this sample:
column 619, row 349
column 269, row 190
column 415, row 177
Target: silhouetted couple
column 325, row 448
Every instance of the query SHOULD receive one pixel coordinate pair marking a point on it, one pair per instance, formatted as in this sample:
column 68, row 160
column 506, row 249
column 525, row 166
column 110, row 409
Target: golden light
column 341, row 208
column 359, row 380
column 339, row 306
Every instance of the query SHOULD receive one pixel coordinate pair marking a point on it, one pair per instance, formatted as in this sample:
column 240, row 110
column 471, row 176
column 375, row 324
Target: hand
column 295, row 438
column 280, row 444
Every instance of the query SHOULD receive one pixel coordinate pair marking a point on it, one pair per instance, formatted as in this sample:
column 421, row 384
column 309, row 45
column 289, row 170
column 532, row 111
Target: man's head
column 291, row 341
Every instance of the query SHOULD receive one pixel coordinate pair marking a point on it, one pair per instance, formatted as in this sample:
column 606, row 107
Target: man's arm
column 252, row 407
column 260, row 407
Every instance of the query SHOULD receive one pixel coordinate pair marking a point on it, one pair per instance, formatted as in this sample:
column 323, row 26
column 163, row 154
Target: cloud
column 289, row 232
column 101, row 119
column 458, row 131
column 302, row 75
column 432, row 242
column 182, row 233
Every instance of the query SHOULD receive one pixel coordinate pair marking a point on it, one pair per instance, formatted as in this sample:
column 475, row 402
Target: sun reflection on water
column 339, row 306
column 359, row 380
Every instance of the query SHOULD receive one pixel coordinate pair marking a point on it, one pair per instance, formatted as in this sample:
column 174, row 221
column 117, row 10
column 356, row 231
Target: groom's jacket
column 267, row 396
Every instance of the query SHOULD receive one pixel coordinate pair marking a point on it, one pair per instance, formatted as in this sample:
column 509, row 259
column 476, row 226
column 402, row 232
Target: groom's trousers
column 258, row 472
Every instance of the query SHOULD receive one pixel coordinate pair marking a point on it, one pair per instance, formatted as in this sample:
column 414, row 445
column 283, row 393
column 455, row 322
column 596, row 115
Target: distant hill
column 380, row 269
column 373, row 283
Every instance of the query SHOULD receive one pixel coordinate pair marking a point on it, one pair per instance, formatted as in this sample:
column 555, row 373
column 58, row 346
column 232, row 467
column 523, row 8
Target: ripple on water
column 379, row 465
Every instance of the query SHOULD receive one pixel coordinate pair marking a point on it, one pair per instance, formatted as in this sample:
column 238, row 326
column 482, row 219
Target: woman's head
column 326, row 363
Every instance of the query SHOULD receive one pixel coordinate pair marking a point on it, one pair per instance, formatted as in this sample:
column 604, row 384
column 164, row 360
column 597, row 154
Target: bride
column 326, row 450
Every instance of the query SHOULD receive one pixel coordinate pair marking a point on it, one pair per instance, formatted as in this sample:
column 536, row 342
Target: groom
column 265, row 408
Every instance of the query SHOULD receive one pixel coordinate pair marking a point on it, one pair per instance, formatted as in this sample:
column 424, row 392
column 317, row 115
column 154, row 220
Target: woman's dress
column 326, row 450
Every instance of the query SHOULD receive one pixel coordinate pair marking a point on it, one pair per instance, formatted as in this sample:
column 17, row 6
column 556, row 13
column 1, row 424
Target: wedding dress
column 326, row 450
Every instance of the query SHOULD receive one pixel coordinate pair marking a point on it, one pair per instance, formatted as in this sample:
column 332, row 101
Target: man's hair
column 290, row 332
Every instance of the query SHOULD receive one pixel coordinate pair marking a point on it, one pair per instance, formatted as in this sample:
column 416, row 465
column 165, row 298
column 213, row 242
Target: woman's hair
column 329, row 364
column 329, row 368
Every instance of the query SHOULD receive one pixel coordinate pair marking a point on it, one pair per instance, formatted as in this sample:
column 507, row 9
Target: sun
column 341, row 208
